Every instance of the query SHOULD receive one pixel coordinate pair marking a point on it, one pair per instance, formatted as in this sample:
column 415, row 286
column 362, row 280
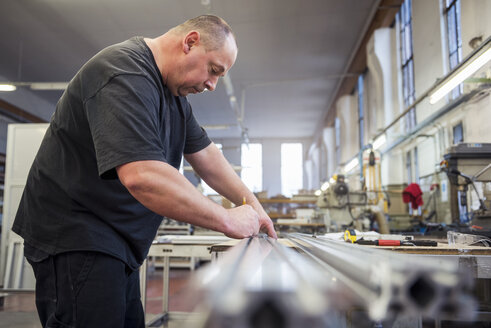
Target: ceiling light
column 379, row 142
column 7, row 87
column 460, row 75
column 217, row 126
column 48, row 85
column 351, row 165
column 324, row 186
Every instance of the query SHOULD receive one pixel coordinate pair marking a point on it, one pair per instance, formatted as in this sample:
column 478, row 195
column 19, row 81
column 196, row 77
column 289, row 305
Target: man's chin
column 184, row 92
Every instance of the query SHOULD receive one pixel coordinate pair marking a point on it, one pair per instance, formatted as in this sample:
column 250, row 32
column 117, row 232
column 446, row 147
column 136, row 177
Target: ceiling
column 292, row 53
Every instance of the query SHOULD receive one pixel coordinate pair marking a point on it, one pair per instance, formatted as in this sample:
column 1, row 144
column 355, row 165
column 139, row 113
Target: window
column 207, row 190
column 458, row 133
column 360, row 110
column 416, row 166
column 291, row 168
column 337, row 132
column 407, row 69
column 454, row 38
column 409, row 168
column 252, row 166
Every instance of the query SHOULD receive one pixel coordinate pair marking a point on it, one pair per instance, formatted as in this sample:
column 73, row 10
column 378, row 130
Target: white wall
column 428, row 51
column 347, row 112
column 475, row 22
column 272, row 163
column 328, row 138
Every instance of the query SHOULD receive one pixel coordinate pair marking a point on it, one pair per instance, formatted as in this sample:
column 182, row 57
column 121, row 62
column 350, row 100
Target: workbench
column 175, row 246
column 475, row 259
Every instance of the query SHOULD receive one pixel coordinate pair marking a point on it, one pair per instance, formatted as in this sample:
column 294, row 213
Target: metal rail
column 393, row 284
column 262, row 283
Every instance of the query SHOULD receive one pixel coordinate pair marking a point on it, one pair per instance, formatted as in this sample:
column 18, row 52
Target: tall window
column 416, row 166
column 337, row 132
column 409, row 167
column 360, row 110
column 454, row 38
column 252, row 166
column 291, row 168
column 207, row 190
column 458, row 133
column 407, row 68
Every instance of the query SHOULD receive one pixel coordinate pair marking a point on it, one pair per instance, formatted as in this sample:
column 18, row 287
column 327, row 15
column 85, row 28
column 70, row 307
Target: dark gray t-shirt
column 116, row 110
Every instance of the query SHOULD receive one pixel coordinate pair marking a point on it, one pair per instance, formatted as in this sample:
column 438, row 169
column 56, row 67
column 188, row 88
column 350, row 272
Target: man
column 106, row 173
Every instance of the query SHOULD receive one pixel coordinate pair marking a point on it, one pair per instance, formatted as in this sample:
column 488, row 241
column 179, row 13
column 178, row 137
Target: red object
column 413, row 194
column 382, row 242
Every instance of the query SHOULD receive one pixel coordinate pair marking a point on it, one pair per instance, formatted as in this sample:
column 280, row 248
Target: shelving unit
column 283, row 212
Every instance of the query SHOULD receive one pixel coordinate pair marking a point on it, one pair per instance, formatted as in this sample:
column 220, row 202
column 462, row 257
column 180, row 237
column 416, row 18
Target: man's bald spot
column 213, row 30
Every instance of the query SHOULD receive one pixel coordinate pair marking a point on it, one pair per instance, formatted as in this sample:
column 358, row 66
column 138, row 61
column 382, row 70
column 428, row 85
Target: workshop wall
column 428, row 52
column 346, row 108
column 475, row 24
column 383, row 96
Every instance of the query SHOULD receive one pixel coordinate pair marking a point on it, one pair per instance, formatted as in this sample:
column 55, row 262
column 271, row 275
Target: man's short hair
column 213, row 30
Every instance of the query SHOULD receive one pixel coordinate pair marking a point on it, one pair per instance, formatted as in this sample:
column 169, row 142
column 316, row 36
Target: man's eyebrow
column 219, row 68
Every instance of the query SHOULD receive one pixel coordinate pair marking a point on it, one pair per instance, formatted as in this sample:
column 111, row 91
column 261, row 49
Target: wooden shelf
column 282, row 216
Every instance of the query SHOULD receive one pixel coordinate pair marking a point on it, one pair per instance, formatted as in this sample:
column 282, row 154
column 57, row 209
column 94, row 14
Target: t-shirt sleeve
column 123, row 118
column 196, row 137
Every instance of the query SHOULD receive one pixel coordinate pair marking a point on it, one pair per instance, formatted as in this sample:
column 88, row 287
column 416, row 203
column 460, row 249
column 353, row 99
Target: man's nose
column 211, row 83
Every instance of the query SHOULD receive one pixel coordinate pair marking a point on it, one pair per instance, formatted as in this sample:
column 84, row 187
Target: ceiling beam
column 18, row 114
column 383, row 17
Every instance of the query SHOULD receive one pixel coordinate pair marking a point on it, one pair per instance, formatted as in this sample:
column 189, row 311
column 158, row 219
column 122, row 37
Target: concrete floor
column 19, row 310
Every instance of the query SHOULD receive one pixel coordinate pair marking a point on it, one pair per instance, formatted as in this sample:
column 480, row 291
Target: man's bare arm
column 163, row 190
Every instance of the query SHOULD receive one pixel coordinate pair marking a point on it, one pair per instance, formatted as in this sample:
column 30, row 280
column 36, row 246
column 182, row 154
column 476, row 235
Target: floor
column 19, row 310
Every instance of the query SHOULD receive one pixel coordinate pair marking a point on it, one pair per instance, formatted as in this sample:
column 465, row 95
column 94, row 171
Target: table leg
column 165, row 291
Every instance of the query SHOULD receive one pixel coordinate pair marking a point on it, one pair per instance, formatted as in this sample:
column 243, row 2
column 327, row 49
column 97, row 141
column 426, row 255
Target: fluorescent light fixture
column 462, row 74
column 49, row 85
column 7, row 87
column 379, row 142
column 217, row 126
column 324, row 186
column 351, row 165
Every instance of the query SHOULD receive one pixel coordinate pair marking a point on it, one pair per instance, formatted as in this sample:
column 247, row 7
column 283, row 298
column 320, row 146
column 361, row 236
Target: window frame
column 404, row 17
column 452, row 13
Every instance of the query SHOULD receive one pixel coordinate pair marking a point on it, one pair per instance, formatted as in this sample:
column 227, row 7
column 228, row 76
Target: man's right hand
column 243, row 222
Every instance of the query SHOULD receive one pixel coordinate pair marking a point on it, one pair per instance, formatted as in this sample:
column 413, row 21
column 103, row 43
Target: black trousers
column 86, row 289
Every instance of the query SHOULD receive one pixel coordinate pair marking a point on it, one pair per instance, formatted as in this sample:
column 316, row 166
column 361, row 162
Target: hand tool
column 350, row 235
column 382, row 242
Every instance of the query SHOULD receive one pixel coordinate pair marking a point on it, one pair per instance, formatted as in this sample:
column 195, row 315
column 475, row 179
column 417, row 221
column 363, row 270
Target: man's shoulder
column 130, row 57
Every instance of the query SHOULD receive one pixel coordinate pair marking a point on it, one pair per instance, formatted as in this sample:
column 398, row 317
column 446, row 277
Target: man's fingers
column 269, row 229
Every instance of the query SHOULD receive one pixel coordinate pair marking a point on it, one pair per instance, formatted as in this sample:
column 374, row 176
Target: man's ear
column 190, row 40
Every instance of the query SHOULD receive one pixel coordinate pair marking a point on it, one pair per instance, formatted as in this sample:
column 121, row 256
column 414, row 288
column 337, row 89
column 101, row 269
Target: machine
column 467, row 166
column 342, row 207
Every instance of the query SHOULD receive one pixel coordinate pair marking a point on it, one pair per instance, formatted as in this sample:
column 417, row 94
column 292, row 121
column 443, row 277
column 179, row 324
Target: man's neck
column 157, row 47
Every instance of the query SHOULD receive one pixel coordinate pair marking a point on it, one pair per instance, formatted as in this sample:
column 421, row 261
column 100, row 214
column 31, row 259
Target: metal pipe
column 262, row 283
column 394, row 283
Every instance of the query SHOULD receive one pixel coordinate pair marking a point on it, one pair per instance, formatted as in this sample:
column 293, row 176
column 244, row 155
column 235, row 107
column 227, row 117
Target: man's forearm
column 160, row 188
column 163, row 190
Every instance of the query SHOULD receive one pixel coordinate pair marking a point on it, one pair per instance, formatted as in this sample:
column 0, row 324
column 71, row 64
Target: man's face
column 199, row 70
